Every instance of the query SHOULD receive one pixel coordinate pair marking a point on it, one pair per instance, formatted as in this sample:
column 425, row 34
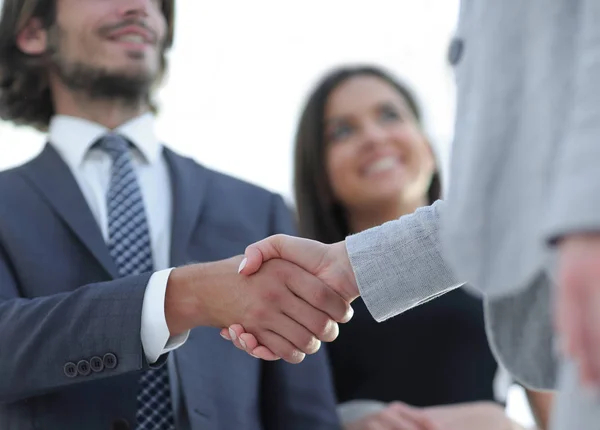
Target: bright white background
column 240, row 71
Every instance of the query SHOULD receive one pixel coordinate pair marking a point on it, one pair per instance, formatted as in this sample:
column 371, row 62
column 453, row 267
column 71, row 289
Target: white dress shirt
column 73, row 138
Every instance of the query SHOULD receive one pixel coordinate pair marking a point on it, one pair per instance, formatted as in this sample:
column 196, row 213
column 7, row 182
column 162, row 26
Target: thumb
column 253, row 259
column 305, row 253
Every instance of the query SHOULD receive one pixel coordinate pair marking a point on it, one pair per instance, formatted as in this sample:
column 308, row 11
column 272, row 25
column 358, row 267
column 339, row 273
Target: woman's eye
column 340, row 132
column 388, row 115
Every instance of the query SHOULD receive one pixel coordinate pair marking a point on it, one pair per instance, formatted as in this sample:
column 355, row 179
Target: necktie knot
column 114, row 145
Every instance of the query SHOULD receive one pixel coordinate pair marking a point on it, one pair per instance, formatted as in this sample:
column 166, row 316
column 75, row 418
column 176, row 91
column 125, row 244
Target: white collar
column 73, row 137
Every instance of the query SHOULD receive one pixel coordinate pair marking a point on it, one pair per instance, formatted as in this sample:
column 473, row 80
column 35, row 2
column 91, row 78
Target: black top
column 434, row 354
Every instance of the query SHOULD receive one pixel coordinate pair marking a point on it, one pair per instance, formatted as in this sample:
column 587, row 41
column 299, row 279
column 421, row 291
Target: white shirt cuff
column 156, row 339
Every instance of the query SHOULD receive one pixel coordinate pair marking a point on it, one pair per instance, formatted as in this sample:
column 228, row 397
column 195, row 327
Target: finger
column 235, row 340
column 280, row 347
column 253, row 260
column 294, row 332
column 249, row 343
column 317, row 294
column 237, row 329
column 225, row 334
column 315, row 321
column 419, row 420
column 234, row 333
column 305, row 253
column 264, row 353
column 315, row 325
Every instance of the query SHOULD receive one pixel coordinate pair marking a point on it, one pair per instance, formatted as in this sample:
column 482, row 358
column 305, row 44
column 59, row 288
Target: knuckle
column 270, row 295
column 292, row 356
column 258, row 314
column 320, row 297
column 312, row 346
column 321, row 327
column 326, row 329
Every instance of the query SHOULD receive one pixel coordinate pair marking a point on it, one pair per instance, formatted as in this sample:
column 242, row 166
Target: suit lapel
column 189, row 183
column 51, row 176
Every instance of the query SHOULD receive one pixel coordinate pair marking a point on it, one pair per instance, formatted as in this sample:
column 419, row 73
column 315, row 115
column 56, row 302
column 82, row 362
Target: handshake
column 285, row 297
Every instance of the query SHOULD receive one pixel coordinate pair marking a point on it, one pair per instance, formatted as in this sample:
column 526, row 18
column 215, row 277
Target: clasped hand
column 289, row 321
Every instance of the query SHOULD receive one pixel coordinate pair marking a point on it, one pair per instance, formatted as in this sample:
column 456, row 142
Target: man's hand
column 578, row 303
column 397, row 416
column 288, row 309
column 329, row 263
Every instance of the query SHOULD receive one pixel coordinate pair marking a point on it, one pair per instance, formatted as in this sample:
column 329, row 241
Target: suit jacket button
column 455, row 51
column 70, row 370
column 83, row 368
column 120, row 424
column 97, row 364
column 110, row 360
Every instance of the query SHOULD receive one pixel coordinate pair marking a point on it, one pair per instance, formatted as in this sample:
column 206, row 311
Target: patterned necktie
column 130, row 247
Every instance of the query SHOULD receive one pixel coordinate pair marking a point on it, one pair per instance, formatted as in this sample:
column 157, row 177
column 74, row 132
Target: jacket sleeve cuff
column 399, row 265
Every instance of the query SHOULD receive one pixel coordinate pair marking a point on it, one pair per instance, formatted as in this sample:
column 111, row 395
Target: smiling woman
column 361, row 155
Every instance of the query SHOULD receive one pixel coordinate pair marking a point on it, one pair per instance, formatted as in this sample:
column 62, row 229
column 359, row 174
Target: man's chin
column 133, row 70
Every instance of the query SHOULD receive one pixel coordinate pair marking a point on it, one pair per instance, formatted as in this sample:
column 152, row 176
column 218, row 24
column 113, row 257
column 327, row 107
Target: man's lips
column 133, row 34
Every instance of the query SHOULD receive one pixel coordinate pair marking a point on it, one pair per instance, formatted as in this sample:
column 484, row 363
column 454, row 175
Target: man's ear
column 33, row 38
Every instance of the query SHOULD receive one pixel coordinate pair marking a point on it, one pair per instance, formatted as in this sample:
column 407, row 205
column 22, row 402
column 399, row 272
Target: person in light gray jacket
column 521, row 220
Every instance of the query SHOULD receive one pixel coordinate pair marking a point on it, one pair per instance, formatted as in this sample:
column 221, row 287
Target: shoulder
column 215, row 178
column 14, row 179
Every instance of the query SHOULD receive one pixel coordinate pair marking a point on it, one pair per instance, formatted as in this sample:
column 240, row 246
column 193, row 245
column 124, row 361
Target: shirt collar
column 73, row 137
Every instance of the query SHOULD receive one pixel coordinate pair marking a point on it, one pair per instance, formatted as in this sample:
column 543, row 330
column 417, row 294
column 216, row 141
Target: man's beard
column 98, row 83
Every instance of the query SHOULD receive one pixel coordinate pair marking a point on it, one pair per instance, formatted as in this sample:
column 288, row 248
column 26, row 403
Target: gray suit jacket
column 59, row 304
column 524, row 167
column 401, row 264
column 524, row 172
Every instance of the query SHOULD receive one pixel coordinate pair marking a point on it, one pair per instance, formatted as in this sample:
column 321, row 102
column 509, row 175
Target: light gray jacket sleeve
column 399, row 265
column 574, row 205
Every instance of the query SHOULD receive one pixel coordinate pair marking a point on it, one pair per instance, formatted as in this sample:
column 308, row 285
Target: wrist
column 349, row 286
column 180, row 303
column 197, row 295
